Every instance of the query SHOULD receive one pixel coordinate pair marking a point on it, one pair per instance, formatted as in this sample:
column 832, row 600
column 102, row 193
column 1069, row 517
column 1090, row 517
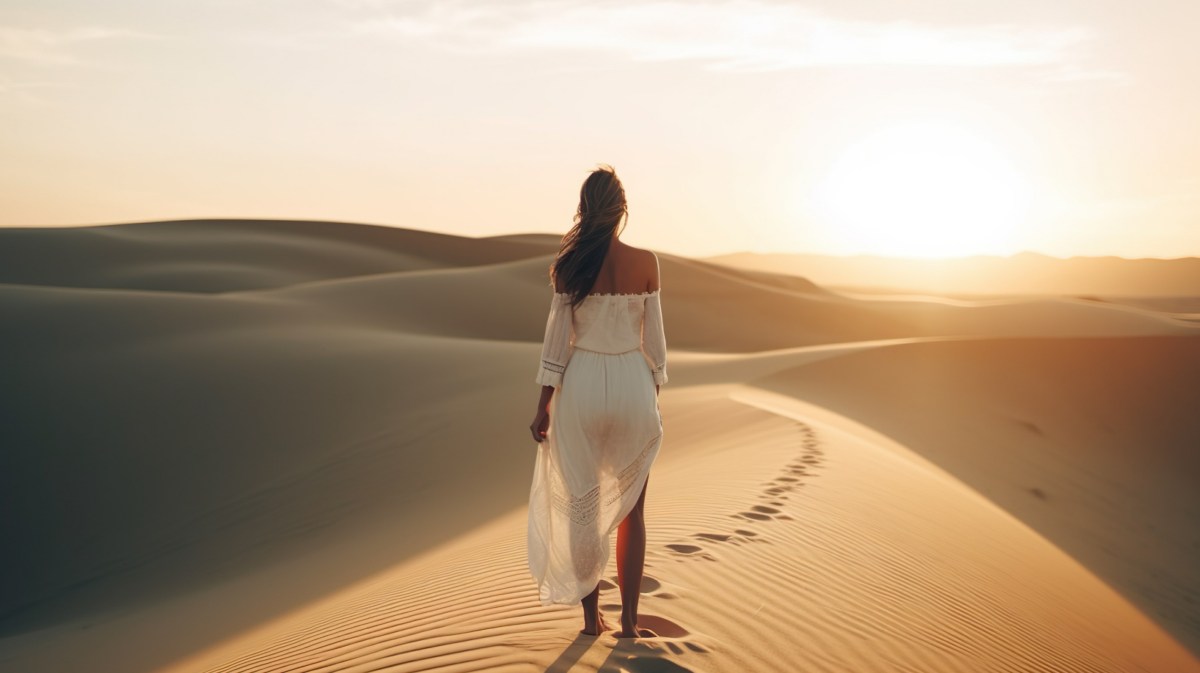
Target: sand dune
column 239, row 445
column 1092, row 442
column 223, row 255
column 710, row 308
column 1024, row 273
column 826, row 551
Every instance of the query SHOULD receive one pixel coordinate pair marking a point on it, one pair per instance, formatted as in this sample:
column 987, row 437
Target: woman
column 605, row 355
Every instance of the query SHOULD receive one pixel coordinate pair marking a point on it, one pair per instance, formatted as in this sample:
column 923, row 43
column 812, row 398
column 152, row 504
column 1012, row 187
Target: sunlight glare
column 923, row 189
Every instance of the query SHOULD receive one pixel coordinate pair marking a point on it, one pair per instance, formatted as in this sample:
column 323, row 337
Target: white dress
column 604, row 357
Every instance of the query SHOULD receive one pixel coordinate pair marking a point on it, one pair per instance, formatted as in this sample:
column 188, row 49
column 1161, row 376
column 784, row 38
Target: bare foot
column 594, row 629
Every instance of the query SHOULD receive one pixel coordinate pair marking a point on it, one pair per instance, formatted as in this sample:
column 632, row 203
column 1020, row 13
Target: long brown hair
column 584, row 247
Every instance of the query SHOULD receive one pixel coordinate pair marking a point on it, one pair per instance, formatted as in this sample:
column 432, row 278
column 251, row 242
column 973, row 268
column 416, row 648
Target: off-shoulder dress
column 604, row 357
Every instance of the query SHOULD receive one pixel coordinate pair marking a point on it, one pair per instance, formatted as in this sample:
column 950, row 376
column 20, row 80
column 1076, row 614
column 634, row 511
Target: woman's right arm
column 557, row 347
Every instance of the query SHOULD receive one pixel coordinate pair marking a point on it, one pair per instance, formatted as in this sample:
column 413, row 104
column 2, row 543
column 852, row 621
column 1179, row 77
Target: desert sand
column 238, row 445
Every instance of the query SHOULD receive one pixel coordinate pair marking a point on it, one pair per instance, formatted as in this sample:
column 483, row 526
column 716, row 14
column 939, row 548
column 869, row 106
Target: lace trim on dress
column 611, row 294
column 582, row 510
column 626, row 477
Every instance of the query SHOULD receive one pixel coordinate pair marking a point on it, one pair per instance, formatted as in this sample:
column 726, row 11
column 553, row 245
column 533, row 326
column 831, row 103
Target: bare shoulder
column 652, row 270
column 646, row 264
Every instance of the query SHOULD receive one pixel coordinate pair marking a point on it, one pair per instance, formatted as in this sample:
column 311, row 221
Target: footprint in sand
column 661, row 626
column 737, row 537
column 775, row 493
column 638, row 656
column 649, row 584
column 646, row 655
column 781, row 485
column 690, row 551
column 754, row 515
column 650, row 587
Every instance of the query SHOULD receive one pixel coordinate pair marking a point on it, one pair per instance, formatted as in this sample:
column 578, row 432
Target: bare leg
column 631, row 558
column 593, row 621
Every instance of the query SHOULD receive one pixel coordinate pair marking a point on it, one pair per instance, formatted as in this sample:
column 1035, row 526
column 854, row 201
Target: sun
column 923, row 189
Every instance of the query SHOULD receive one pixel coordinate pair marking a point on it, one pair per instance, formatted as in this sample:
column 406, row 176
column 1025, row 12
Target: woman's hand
column 541, row 420
column 540, row 424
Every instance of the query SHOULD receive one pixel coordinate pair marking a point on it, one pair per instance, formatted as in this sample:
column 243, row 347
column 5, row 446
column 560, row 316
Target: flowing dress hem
column 545, row 595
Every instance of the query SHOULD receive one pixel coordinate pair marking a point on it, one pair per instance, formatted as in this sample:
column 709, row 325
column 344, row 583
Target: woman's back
column 626, row 270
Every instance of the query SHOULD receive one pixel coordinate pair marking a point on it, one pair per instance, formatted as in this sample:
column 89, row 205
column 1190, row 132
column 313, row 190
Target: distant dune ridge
column 266, row 445
column 1024, row 273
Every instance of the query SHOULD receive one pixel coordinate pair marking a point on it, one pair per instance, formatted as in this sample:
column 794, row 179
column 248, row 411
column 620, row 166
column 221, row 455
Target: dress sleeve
column 654, row 340
column 558, row 342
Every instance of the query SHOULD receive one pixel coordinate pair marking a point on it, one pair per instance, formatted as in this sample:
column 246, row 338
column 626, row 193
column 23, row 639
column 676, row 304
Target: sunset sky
column 914, row 128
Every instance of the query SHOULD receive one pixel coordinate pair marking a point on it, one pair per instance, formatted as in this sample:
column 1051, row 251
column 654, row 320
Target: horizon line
column 913, row 258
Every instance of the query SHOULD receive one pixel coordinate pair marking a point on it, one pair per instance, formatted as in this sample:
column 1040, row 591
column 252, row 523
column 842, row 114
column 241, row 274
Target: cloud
column 1070, row 72
column 57, row 47
column 27, row 91
column 746, row 35
column 27, row 54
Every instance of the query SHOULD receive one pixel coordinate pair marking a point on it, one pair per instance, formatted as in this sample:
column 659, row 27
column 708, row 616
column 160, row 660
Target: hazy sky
column 725, row 119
